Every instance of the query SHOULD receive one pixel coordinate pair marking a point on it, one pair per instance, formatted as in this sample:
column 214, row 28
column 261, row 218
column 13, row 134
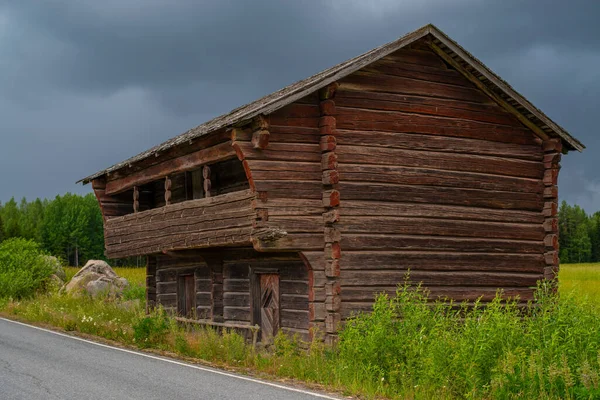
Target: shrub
column 23, row 268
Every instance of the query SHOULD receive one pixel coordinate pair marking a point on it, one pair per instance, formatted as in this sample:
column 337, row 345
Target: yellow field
column 135, row 276
column 583, row 279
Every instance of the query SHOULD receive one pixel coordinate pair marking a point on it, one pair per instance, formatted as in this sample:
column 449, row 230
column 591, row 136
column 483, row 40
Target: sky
column 85, row 84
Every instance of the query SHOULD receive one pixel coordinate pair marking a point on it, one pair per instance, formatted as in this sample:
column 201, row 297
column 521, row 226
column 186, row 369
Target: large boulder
column 96, row 278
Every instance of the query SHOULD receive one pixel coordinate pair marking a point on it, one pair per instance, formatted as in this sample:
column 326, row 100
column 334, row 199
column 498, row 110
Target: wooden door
column 187, row 296
column 269, row 306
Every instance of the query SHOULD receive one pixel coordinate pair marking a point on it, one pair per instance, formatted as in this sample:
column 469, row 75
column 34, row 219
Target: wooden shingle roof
column 448, row 49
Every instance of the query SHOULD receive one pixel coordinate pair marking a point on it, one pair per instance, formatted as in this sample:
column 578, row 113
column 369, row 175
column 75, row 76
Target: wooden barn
column 293, row 211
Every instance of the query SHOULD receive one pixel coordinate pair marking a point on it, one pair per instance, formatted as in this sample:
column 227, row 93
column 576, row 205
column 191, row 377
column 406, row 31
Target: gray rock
column 96, row 278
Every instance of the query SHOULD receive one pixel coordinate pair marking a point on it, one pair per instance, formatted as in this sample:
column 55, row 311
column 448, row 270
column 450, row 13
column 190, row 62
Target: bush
column 23, row 268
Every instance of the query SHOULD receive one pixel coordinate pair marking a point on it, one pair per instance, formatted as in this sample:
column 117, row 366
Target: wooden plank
column 353, row 294
column 439, row 278
column 291, row 189
column 294, row 319
column 439, row 160
column 184, row 163
column 482, row 112
column 387, row 121
column 236, row 313
column 291, row 242
column 397, row 84
column 381, row 208
column 442, row 195
column 434, row 177
column 415, row 141
column 283, row 134
column 391, row 242
column 440, row 227
column 282, row 152
column 419, row 58
column 442, row 261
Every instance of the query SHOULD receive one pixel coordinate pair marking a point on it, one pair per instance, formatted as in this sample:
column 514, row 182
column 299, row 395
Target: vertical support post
column 552, row 155
column 207, row 183
column 331, row 213
column 150, row 283
column 136, row 199
column 167, row 190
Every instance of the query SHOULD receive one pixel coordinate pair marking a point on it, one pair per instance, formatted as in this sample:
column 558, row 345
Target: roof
column 531, row 115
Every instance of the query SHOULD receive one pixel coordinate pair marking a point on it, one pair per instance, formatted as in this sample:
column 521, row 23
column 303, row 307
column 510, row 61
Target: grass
column 404, row 349
column 581, row 279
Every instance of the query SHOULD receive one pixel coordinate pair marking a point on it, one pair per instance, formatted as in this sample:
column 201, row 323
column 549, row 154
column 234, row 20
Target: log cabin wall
column 168, row 269
column 282, row 157
column 231, row 302
column 437, row 178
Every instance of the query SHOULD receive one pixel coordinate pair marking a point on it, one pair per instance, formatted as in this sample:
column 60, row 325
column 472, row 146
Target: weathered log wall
column 233, row 298
column 282, row 156
column 224, row 220
column 437, row 179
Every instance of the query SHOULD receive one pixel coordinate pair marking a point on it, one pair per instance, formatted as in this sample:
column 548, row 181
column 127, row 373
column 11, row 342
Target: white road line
column 214, row 371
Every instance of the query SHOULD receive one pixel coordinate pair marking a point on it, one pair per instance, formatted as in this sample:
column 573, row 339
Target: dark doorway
column 186, row 296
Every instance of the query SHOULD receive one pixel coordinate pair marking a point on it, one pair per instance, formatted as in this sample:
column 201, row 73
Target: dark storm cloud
column 85, row 84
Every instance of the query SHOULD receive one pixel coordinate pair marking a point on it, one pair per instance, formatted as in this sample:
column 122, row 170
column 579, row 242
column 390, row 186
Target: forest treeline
column 70, row 227
column 579, row 234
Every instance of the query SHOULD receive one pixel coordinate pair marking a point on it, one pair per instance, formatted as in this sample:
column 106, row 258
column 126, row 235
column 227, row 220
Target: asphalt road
column 40, row 364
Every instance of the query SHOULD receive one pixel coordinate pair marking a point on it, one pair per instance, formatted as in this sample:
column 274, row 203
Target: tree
column 72, row 228
column 1, row 229
column 11, row 218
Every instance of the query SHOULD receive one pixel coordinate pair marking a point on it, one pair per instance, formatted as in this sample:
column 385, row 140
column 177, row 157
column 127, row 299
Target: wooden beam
column 207, row 183
column 188, row 162
column 524, row 120
column 136, row 199
column 167, row 190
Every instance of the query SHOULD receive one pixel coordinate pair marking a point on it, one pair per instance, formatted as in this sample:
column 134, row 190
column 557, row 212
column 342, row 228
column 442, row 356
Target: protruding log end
column 328, row 92
column 260, row 139
column 332, row 268
column 327, row 107
column 331, row 198
column 329, row 161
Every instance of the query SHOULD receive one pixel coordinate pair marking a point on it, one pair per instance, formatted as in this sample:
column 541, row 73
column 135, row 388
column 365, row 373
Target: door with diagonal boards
column 269, row 306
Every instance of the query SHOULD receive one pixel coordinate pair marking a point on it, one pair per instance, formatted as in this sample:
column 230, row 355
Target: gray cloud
column 85, row 84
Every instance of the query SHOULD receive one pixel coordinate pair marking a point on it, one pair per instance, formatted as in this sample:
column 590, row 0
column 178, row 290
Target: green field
column 582, row 279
